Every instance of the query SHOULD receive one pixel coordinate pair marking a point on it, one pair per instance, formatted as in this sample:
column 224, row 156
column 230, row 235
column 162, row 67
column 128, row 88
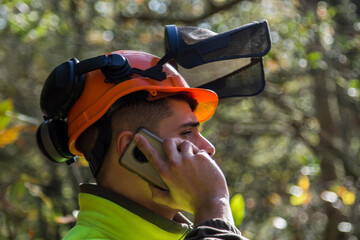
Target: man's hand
column 196, row 183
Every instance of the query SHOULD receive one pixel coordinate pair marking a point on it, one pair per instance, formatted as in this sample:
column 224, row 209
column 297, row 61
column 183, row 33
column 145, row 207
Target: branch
column 188, row 21
column 328, row 144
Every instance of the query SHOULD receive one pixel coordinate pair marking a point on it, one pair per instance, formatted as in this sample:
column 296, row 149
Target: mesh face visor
column 228, row 63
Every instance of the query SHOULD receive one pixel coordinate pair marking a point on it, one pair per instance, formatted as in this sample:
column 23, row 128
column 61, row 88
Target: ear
column 122, row 141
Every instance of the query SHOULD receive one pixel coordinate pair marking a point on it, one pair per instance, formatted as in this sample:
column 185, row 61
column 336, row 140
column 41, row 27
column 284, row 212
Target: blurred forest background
column 291, row 155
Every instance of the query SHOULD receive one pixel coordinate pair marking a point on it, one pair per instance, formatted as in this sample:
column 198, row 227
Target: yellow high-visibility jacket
column 107, row 215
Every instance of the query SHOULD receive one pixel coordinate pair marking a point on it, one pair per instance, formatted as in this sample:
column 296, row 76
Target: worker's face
column 184, row 124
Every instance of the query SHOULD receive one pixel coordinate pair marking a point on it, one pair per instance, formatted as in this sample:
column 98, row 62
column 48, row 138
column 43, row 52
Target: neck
column 135, row 188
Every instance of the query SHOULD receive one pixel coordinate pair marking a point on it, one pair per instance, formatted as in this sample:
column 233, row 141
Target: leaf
column 275, row 199
column 304, row 199
column 298, row 200
column 304, row 183
column 10, row 135
column 237, row 204
column 5, row 106
column 315, row 56
column 17, row 191
column 354, row 83
column 348, row 198
column 314, row 59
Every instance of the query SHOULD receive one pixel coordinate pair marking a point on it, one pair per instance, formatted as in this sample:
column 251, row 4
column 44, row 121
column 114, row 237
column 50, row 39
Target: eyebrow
column 190, row 124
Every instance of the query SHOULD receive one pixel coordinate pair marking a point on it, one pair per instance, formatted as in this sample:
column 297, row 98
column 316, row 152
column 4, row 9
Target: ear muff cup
column 52, row 140
column 62, row 88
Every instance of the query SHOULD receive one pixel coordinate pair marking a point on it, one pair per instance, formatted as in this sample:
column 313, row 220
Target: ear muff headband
column 66, row 82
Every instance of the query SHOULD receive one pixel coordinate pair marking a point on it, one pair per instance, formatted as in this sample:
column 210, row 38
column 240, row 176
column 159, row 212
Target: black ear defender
column 62, row 88
column 52, row 139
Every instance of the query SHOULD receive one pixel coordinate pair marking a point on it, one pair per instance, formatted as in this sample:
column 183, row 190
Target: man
column 122, row 205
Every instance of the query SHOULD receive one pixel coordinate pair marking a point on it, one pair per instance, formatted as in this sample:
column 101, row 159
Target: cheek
column 168, row 133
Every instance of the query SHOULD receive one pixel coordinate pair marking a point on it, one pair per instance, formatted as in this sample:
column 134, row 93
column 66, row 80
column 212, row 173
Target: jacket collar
column 120, row 216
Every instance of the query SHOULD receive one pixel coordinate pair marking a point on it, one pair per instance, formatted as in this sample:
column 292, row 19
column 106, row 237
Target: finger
column 187, row 147
column 171, row 147
column 151, row 154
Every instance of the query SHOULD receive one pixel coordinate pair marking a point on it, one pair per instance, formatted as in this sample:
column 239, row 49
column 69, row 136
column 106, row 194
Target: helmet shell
column 98, row 96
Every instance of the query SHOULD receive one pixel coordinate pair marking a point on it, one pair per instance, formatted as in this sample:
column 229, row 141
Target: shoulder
column 85, row 232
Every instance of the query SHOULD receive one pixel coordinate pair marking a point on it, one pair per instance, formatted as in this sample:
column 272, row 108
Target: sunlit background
column 291, row 155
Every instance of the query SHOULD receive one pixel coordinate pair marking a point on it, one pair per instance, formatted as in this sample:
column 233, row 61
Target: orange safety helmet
column 98, row 95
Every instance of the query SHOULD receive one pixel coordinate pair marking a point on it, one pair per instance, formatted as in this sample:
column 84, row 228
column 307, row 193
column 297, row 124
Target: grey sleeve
column 215, row 229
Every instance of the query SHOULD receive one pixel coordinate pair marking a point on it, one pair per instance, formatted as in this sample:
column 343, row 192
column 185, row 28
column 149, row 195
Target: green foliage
column 290, row 155
column 17, row 191
column 5, row 108
column 314, row 59
column 354, row 83
column 237, row 204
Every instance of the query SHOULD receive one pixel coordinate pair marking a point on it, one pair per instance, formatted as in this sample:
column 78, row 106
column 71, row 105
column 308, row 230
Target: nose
column 204, row 144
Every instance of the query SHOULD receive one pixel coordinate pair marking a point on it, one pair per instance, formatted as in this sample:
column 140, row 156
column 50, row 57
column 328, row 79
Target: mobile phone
column 135, row 161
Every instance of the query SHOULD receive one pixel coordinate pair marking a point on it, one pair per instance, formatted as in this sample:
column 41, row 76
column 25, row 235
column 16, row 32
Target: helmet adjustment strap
column 155, row 72
column 102, row 144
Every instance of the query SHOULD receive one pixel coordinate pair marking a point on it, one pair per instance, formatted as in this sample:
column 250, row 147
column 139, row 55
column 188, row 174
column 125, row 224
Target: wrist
column 218, row 207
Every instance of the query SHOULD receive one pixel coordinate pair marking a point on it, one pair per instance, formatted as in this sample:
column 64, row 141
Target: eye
column 186, row 133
